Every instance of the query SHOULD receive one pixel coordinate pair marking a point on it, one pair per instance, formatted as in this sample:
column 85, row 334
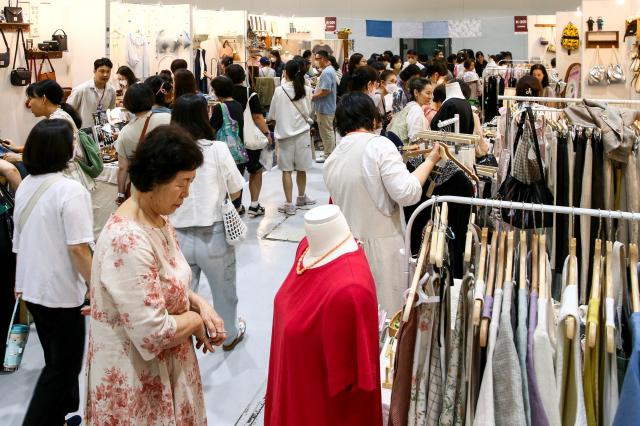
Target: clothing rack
column 566, row 100
column 480, row 202
column 455, row 120
column 441, row 136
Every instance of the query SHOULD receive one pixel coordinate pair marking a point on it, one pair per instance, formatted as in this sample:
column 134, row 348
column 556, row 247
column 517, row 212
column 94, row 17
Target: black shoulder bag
column 13, row 15
column 61, row 39
column 5, row 58
column 537, row 192
column 20, row 76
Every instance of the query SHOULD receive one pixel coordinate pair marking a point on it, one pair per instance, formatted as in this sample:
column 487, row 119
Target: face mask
column 391, row 88
column 397, row 66
column 412, row 60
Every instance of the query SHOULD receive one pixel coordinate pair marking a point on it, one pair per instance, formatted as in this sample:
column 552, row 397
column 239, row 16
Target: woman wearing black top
column 481, row 63
column 356, row 60
column 223, row 89
column 276, row 63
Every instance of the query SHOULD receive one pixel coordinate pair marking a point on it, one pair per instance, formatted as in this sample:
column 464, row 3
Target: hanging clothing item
column 199, row 68
column 568, row 358
column 402, row 371
column 449, row 109
column 544, row 355
column 592, row 361
column 521, row 346
column 485, row 410
column 508, row 402
column 324, row 366
column 137, row 55
column 421, row 356
column 472, row 356
column 538, row 415
column 583, row 199
column 455, row 392
column 437, row 359
column 628, row 409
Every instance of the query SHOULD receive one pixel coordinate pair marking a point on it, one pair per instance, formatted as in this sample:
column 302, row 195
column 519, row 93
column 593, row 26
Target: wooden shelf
column 5, row 26
column 39, row 54
column 544, row 25
column 603, row 39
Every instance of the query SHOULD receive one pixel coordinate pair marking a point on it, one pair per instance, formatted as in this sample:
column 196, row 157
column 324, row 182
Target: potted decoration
column 344, row 33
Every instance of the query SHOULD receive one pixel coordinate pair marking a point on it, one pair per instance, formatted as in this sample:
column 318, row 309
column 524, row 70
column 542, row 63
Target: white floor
column 234, row 382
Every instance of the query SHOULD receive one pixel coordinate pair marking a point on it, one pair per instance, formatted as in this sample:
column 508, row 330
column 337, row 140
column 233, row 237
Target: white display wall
column 220, row 25
column 535, row 48
column 166, row 30
column 86, row 42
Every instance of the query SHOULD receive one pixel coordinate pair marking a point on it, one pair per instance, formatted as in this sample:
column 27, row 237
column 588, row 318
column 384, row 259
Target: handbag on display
column 48, row 75
column 537, row 192
column 615, row 74
column 49, row 46
column 13, row 15
column 61, row 39
column 235, row 230
column 20, row 76
column 570, row 37
column 254, row 139
column 598, row 72
column 5, row 58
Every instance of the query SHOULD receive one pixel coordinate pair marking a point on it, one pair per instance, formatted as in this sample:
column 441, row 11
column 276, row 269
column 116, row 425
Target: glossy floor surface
column 234, row 382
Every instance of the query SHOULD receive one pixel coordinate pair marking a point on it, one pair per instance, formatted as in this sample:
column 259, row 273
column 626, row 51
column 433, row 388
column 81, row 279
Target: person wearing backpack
column 227, row 119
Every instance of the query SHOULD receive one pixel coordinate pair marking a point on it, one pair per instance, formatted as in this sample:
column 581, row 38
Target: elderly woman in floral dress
column 141, row 365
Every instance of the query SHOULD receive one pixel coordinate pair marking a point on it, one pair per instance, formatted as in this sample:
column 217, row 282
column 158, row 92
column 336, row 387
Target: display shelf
column 603, row 39
column 7, row 26
column 40, row 54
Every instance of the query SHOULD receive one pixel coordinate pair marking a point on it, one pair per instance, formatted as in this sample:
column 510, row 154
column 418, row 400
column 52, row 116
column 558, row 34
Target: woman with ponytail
column 45, row 100
column 291, row 109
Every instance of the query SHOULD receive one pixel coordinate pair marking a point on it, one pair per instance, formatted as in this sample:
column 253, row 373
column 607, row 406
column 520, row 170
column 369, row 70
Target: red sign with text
column 520, row 24
column 330, row 24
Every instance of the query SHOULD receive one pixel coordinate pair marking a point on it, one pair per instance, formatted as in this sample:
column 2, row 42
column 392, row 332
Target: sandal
column 242, row 329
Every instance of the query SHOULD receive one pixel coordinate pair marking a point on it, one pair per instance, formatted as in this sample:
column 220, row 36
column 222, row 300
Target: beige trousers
column 327, row 133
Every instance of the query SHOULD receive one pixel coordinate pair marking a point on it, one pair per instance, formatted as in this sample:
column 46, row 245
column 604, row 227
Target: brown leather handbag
column 13, row 15
column 47, row 75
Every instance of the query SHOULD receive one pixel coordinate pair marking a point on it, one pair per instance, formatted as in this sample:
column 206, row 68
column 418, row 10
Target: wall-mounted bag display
column 47, row 75
column 61, row 39
column 20, row 76
column 5, row 58
column 49, row 46
column 13, row 15
column 598, row 72
column 615, row 74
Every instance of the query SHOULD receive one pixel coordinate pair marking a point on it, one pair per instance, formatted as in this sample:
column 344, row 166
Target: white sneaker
column 305, row 201
column 320, row 159
column 287, row 208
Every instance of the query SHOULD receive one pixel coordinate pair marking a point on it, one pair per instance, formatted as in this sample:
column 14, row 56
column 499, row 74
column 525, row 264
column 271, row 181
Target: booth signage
column 330, row 24
column 520, row 24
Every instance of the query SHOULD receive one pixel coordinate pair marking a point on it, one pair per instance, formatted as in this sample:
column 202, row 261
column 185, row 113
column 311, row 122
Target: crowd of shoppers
column 179, row 161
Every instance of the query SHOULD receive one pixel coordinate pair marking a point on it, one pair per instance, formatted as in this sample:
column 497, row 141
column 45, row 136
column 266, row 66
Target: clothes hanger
column 477, row 308
column 542, row 266
column 534, row 263
column 469, row 238
column 509, row 268
column 501, row 276
column 633, row 272
column 442, row 235
column 523, row 259
column 434, row 236
column 484, row 325
column 422, row 255
column 596, row 291
column 445, row 153
column 572, row 279
column 608, row 284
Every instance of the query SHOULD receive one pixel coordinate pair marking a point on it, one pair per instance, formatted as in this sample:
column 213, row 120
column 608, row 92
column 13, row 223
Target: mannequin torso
column 326, row 227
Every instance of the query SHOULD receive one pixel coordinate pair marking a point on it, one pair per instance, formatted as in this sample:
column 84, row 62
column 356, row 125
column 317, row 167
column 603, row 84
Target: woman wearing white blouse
column 367, row 178
column 406, row 124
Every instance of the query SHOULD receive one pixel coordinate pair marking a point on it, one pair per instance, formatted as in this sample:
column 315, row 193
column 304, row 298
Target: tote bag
column 254, row 139
column 229, row 133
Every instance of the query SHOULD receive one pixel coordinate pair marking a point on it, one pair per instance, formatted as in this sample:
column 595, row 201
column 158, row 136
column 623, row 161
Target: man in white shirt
column 265, row 68
column 95, row 95
column 412, row 58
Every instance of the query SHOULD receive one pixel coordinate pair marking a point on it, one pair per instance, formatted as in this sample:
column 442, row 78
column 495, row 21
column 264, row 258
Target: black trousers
column 62, row 333
column 7, row 283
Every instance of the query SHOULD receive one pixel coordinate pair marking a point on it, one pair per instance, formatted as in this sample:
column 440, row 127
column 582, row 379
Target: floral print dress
column 139, row 279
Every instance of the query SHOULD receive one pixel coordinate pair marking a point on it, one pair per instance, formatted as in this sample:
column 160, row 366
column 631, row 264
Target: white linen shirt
column 416, row 120
column 207, row 191
column 45, row 273
column 85, row 99
column 386, row 177
column 289, row 122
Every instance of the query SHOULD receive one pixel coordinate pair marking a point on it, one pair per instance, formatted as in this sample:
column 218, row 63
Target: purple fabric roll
column 487, row 307
column 538, row 416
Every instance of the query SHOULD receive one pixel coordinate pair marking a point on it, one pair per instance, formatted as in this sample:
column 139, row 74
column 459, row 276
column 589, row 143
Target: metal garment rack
column 480, row 202
column 558, row 101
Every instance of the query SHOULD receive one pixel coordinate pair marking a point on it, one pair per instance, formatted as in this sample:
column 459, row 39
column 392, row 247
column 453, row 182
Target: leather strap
column 144, row 129
column 59, row 29
column 46, row 58
column 5, row 41
column 528, row 113
column 24, row 48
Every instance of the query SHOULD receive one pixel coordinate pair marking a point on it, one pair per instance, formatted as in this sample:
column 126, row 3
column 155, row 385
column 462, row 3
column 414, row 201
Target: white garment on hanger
column 137, row 55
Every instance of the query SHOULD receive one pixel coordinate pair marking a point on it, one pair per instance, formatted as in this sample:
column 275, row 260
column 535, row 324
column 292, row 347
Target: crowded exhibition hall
column 317, row 214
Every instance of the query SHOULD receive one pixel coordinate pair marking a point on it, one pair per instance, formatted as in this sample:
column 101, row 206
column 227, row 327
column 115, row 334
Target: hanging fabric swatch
column 407, row 29
column 465, row 28
column 435, row 29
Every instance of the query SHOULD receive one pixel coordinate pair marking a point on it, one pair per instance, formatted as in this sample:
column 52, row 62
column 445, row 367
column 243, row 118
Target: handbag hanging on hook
column 13, row 15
